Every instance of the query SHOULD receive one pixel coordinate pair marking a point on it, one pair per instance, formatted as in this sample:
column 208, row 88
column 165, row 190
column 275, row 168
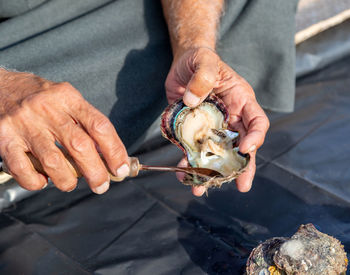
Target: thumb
column 203, row 80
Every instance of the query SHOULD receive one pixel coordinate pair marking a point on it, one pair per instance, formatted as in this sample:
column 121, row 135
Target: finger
column 203, row 80
column 234, row 121
column 22, row 170
column 53, row 162
column 198, row 191
column 257, row 124
column 183, row 163
column 83, row 150
column 244, row 181
column 104, row 134
column 238, row 127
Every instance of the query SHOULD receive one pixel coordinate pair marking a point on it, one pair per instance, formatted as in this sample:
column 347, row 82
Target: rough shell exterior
column 260, row 260
column 319, row 254
column 307, row 252
column 168, row 131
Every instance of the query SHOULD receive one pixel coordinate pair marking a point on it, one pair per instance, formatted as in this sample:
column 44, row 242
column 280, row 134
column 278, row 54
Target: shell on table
column 307, row 252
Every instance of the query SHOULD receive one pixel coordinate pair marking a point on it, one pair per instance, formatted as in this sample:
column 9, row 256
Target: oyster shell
column 307, row 252
column 203, row 136
column 261, row 262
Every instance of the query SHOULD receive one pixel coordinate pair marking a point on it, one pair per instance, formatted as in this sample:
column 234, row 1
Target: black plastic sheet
column 153, row 225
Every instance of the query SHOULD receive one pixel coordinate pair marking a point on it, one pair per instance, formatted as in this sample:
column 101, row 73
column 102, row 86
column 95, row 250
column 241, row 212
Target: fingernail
column 199, row 191
column 203, row 191
column 252, row 149
column 191, row 99
column 44, row 186
column 123, row 171
column 101, row 189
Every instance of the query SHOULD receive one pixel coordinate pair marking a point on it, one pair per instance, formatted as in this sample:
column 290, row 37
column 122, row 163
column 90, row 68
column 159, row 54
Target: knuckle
column 81, row 143
column 204, row 51
column 62, row 123
column 206, row 78
column 22, row 113
column 36, row 102
column 118, row 152
column 101, row 125
column 6, row 147
column 17, row 167
column 263, row 121
column 51, row 159
column 241, row 86
column 245, row 87
column 4, row 127
column 64, row 87
column 254, row 105
column 248, row 88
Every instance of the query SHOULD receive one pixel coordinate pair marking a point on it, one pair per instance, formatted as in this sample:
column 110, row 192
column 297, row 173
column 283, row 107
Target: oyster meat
column 307, row 252
column 203, row 135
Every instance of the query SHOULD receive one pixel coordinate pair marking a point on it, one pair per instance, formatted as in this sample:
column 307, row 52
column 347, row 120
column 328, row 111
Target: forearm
column 192, row 23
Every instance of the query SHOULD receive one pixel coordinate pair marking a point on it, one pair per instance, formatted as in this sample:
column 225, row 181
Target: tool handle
column 134, row 166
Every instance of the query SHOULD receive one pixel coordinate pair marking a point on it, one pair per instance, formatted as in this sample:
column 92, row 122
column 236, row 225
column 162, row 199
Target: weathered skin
column 34, row 114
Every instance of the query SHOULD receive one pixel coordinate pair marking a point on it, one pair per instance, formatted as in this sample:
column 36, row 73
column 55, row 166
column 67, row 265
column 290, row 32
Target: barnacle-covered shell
column 311, row 252
column 307, row 252
column 260, row 261
column 202, row 134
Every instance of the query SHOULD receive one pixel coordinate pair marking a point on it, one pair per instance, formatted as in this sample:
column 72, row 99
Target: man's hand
column 200, row 71
column 35, row 113
column 197, row 70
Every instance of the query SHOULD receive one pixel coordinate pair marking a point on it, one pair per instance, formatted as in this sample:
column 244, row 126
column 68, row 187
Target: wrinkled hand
column 195, row 74
column 35, row 113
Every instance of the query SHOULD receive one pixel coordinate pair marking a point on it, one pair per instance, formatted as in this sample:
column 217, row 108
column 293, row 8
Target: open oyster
column 202, row 134
column 307, row 252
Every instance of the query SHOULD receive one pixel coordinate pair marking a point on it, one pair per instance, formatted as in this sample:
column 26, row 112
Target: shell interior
column 202, row 134
column 207, row 143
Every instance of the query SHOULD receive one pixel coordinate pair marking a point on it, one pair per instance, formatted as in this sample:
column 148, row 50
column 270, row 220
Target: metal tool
column 135, row 167
column 203, row 172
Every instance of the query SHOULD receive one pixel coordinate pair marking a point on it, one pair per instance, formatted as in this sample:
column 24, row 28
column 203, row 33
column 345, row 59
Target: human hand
column 35, row 113
column 198, row 72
